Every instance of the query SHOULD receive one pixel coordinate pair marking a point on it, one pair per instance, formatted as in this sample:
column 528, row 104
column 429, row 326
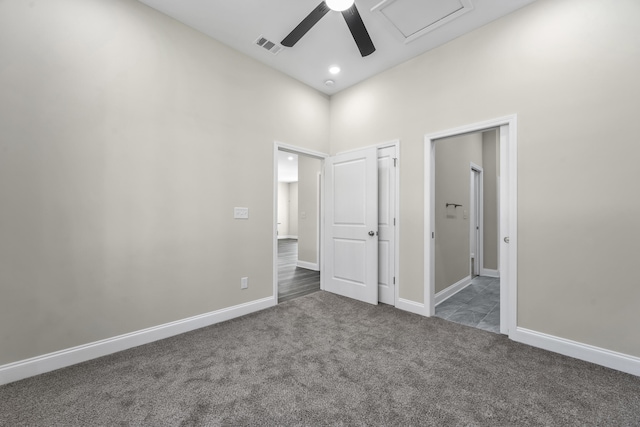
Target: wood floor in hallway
column 294, row 281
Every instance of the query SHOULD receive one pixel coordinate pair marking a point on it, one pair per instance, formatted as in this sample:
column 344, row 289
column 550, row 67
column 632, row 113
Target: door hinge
column 433, row 235
column 394, row 280
column 395, row 162
column 394, row 221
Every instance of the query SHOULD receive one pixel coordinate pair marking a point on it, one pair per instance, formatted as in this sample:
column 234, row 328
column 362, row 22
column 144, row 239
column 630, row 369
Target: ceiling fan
column 351, row 16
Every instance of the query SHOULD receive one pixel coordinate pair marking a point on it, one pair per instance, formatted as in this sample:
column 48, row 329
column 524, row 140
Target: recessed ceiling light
column 339, row 5
column 290, row 158
column 334, row 69
column 329, row 82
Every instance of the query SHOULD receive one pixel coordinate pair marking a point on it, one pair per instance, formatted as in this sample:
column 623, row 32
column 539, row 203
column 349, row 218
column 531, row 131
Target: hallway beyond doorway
column 294, row 281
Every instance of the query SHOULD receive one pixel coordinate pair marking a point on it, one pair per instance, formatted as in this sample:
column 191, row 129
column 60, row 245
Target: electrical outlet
column 241, row 213
column 244, row 283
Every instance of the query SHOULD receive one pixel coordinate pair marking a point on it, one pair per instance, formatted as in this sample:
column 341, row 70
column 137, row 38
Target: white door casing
column 508, row 233
column 475, row 223
column 351, row 225
column 508, row 208
column 279, row 146
column 387, row 158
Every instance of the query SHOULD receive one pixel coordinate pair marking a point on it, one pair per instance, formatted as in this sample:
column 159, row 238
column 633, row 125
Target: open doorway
column 506, row 253
column 382, row 230
column 297, row 228
column 467, row 285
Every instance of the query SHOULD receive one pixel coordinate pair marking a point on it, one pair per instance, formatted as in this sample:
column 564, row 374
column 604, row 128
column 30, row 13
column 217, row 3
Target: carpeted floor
column 326, row 360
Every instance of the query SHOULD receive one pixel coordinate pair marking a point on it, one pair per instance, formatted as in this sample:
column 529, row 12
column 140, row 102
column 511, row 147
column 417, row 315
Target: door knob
column 506, row 239
column 371, row 233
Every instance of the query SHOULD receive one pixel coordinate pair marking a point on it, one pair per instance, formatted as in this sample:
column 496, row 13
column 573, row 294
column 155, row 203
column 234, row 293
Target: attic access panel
column 415, row 18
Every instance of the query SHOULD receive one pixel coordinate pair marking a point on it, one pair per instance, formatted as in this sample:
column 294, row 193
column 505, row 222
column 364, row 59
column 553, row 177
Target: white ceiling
column 239, row 23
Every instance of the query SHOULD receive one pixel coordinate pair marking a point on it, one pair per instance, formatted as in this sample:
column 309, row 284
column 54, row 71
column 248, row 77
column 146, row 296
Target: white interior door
column 386, row 225
column 351, row 225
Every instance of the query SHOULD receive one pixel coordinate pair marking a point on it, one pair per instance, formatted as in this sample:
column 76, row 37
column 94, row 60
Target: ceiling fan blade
column 306, row 24
column 358, row 31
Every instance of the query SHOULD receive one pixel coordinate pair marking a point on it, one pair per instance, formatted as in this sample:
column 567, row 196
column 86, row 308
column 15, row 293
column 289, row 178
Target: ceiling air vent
column 268, row 45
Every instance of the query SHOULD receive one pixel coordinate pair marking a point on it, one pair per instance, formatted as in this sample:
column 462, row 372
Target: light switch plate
column 241, row 213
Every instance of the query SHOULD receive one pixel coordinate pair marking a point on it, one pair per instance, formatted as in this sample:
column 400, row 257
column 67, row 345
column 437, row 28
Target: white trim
column 451, row 290
column 287, row 237
column 395, row 144
column 280, row 146
column 429, row 225
column 600, row 356
column 508, row 263
column 71, row 356
column 487, row 272
column 298, row 150
column 478, row 259
column 274, row 247
column 318, row 215
column 410, row 306
column 396, row 251
column 308, row 265
column 508, row 215
column 321, row 225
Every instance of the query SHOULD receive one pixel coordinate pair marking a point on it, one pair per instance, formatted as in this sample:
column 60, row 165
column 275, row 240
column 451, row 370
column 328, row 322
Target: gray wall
column 308, row 169
column 120, row 130
column 283, row 209
column 287, row 210
column 569, row 69
column 293, row 209
column 452, row 185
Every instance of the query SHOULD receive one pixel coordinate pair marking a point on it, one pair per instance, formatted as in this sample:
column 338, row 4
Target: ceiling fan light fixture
column 351, row 17
column 339, row 5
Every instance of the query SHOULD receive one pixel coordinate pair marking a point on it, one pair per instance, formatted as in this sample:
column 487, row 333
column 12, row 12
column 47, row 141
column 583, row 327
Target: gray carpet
column 327, row 360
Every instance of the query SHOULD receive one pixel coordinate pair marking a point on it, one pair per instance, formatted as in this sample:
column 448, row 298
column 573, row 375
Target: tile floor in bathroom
column 477, row 305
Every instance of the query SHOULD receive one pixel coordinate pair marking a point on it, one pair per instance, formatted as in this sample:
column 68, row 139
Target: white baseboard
column 63, row 358
column 308, row 265
column 600, row 356
column 411, row 306
column 487, row 272
column 288, row 237
column 452, row 290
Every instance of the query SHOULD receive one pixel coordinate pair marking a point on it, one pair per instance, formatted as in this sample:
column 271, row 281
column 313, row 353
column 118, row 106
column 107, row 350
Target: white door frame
column 478, row 217
column 279, row 146
column 508, row 234
column 393, row 143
